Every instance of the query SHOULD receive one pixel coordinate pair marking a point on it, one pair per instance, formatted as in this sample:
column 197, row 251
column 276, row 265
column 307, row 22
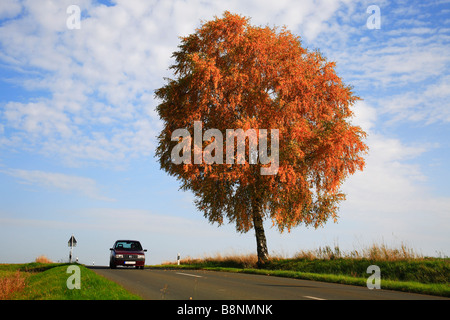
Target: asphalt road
column 153, row 284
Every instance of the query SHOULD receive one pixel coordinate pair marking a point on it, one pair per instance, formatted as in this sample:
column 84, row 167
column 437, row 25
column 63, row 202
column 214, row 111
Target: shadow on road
column 107, row 267
column 286, row 285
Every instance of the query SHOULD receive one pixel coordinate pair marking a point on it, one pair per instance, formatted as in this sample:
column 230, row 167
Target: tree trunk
column 261, row 243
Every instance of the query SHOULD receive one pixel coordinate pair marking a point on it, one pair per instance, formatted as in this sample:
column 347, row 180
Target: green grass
column 438, row 289
column 432, row 270
column 49, row 282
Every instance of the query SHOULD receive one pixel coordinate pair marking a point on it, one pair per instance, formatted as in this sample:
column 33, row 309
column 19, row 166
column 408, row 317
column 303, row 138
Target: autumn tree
column 230, row 74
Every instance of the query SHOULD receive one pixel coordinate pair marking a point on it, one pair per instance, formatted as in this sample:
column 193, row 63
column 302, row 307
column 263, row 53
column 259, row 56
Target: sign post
column 72, row 243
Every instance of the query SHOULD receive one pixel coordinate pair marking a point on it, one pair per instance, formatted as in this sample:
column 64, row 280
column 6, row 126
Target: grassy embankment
column 401, row 269
column 47, row 281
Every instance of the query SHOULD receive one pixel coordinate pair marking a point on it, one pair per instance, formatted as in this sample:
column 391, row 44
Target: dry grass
column 246, row 260
column 11, row 284
column 14, row 281
column 43, row 259
column 376, row 252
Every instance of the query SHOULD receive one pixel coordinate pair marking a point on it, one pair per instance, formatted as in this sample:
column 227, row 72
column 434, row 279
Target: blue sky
column 78, row 127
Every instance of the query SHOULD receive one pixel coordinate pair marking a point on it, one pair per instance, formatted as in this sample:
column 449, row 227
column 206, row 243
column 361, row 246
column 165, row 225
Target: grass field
column 48, row 281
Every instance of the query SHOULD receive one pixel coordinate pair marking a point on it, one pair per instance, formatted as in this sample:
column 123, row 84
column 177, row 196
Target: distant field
column 47, row 281
column 401, row 269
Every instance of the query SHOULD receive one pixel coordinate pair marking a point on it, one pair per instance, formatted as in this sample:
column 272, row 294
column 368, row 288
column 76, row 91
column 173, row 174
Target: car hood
column 129, row 252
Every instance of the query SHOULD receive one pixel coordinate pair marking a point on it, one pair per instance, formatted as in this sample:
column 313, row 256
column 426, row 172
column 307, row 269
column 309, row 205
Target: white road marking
column 190, row 275
column 314, row 298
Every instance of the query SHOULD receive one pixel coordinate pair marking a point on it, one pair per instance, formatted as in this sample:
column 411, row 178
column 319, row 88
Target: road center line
column 314, row 298
column 190, row 275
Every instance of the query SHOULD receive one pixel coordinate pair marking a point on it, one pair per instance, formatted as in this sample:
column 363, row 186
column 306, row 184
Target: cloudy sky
column 78, row 126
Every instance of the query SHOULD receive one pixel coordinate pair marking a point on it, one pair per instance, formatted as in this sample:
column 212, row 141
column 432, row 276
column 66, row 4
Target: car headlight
column 141, row 256
column 119, row 256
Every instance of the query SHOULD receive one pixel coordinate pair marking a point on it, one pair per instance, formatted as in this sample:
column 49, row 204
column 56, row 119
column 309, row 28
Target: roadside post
column 72, row 243
column 178, row 259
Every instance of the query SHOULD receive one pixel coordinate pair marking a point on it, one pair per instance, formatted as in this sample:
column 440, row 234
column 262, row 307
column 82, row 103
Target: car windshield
column 128, row 245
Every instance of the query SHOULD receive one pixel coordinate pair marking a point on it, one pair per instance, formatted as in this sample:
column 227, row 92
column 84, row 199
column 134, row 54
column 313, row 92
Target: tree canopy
column 230, row 74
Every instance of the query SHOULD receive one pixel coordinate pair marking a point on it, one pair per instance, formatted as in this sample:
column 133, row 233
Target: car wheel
column 112, row 265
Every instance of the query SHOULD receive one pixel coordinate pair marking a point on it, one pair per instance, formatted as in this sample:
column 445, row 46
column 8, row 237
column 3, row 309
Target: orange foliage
column 230, row 74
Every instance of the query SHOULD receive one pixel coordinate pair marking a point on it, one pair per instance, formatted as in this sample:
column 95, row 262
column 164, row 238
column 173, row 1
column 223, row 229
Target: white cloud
column 37, row 119
column 398, row 63
column 391, row 195
column 59, row 181
column 365, row 116
column 427, row 105
column 9, row 9
column 95, row 77
column 99, row 77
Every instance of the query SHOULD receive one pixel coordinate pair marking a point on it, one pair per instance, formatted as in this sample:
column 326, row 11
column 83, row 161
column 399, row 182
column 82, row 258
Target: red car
column 128, row 253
